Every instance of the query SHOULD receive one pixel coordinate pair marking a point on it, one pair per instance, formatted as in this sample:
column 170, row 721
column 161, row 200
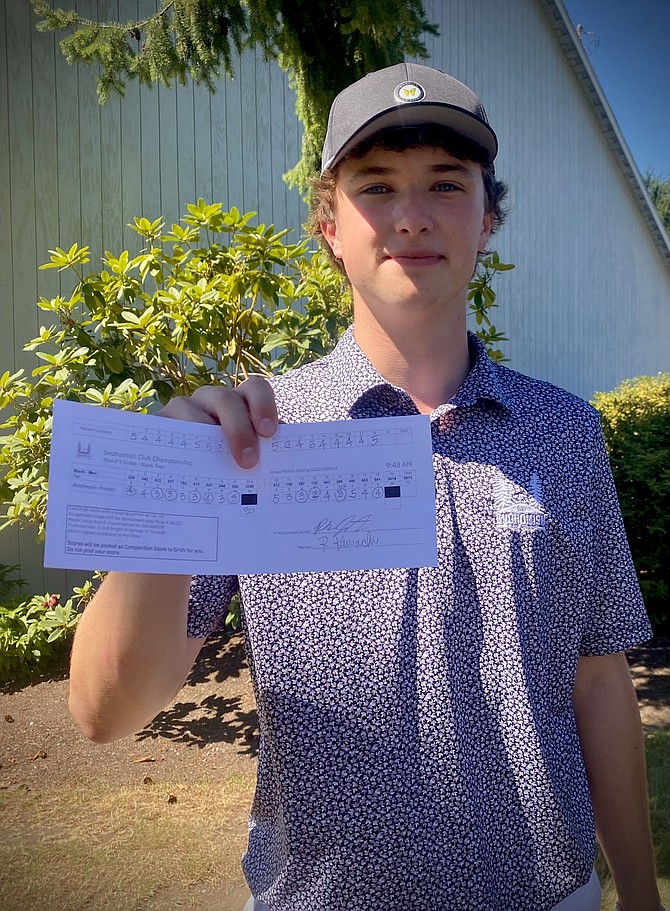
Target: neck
column 429, row 362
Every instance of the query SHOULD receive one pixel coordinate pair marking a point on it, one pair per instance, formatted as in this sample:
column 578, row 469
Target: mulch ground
column 650, row 669
column 210, row 726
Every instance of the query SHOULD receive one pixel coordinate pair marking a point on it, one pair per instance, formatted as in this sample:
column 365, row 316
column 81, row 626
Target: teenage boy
column 439, row 737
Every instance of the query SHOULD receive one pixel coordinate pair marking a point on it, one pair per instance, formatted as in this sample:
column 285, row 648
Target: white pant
column 586, row 898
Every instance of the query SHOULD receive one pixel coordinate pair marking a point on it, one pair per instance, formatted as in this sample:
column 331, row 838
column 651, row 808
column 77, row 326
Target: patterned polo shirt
column 418, row 746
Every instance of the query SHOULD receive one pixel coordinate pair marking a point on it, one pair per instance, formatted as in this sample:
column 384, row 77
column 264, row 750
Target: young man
column 439, row 737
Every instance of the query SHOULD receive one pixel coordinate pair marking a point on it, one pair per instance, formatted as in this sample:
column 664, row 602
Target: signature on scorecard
column 350, row 532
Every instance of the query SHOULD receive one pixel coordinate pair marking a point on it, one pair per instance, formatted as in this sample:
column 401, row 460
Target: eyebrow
column 444, row 168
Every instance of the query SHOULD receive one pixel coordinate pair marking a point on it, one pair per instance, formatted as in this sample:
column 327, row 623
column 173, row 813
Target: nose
column 412, row 215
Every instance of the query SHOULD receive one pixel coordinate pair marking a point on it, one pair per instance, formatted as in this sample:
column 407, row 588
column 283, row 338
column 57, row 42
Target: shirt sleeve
column 618, row 618
column 208, row 603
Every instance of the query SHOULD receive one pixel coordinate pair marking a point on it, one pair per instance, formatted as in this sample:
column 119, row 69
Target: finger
column 184, row 408
column 261, row 404
column 243, row 412
column 228, row 408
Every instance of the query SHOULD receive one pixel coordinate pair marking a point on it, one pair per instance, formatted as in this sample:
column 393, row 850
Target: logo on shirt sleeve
column 519, row 508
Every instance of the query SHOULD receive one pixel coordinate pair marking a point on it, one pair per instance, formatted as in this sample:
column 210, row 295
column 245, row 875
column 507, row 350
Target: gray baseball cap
column 407, row 94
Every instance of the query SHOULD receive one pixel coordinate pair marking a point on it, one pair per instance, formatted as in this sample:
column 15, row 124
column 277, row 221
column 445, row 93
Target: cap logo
column 409, row 91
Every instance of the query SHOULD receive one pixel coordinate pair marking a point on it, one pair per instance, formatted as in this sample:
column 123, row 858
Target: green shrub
column 33, row 632
column 10, row 585
column 636, row 423
column 210, row 301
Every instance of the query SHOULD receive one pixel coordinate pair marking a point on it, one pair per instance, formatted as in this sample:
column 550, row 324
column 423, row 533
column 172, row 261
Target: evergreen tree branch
column 323, row 46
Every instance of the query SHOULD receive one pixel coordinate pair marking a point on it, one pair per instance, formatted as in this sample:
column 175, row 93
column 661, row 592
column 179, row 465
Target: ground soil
column 210, row 728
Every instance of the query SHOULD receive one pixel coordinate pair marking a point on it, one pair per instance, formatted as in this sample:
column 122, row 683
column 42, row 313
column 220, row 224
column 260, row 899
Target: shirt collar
column 484, row 379
column 364, row 383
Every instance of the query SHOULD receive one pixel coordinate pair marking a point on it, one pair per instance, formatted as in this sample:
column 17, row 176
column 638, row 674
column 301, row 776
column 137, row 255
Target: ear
column 487, row 228
column 329, row 231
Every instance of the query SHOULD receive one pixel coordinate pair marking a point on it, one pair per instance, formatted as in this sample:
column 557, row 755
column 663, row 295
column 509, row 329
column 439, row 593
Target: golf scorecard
column 144, row 493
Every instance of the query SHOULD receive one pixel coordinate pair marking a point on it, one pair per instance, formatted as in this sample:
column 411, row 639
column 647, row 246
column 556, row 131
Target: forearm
column 612, row 743
column 131, row 653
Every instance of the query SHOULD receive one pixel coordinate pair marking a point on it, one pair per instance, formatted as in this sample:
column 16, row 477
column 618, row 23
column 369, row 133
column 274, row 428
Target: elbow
column 98, row 735
column 97, row 725
column 91, row 727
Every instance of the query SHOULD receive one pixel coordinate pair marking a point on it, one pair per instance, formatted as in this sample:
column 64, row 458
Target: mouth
column 416, row 259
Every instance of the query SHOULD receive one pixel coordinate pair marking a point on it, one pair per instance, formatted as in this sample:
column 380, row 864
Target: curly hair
column 399, row 139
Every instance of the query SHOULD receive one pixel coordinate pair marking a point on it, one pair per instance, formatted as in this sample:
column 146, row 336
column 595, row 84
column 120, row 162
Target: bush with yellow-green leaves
column 636, row 423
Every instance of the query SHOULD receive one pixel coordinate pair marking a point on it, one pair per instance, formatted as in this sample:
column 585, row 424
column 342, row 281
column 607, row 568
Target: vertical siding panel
column 233, row 144
column 68, row 152
column 150, row 152
column 63, row 208
column 130, row 156
column 436, row 46
column 249, row 195
column 22, row 547
column 221, row 136
column 263, row 156
column 22, row 182
column 111, row 194
column 461, row 41
column 46, row 231
column 187, row 128
column 509, row 170
column 46, row 161
column 548, row 161
column 8, row 340
column 129, row 150
column 167, row 146
column 280, row 115
column 91, row 166
column 296, row 210
column 9, row 539
column 91, row 153
column 150, row 159
column 207, row 164
column 449, row 20
column 10, row 554
column 31, row 559
column 111, row 182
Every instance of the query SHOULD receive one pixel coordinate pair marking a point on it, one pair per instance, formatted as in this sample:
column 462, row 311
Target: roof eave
column 587, row 79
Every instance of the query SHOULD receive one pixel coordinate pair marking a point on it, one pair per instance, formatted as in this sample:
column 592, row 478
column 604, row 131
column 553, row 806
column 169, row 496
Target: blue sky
column 632, row 63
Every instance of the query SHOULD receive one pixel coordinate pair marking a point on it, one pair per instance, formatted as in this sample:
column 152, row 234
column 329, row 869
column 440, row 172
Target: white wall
column 589, row 301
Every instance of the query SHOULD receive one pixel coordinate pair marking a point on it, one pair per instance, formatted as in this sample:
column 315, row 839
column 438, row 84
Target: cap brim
column 446, row 115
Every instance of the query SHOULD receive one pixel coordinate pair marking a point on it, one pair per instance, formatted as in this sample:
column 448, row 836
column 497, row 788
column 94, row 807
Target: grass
column 658, row 775
column 104, row 848
column 112, row 849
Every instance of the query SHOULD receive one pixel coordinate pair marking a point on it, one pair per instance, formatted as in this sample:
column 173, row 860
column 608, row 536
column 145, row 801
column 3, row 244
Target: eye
column 376, row 189
column 446, row 186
